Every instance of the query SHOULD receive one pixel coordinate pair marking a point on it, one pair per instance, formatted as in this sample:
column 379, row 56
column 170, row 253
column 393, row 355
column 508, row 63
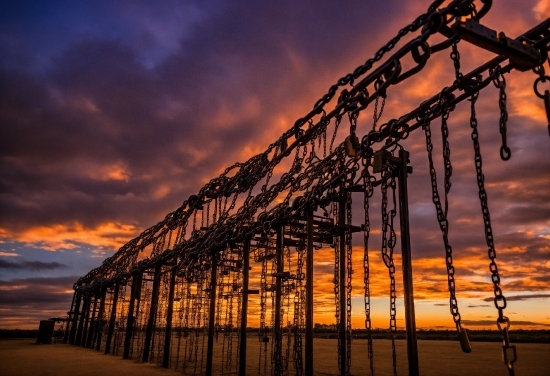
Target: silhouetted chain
column 503, row 323
column 500, row 83
column 445, row 98
column 388, row 244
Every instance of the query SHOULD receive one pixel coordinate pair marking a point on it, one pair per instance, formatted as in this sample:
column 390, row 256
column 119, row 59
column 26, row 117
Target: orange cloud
column 107, row 236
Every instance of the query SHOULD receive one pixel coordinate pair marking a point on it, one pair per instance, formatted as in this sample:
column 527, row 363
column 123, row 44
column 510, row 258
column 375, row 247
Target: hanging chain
column 546, row 96
column 442, row 211
column 336, row 280
column 388, row 244
column 455, row 56
column 376, row 116
column 349, row 260
column 500, row 83
column 503, row 322
column 366, row 267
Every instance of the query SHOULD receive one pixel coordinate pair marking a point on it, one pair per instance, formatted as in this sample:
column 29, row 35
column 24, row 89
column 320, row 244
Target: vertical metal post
column 309, row 295
column 91, row 326
column 212, row 312
column 244, row 308
column 70, row 320
column 412, row 350
column 130, row 322
column 83, row 315
column 152, row 314
column 99, row 329
column 342, row 287
column 169, row 314
column 112, row 320
column 278, row 341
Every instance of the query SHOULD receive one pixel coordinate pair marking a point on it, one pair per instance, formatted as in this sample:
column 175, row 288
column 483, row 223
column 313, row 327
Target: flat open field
column 23, row 357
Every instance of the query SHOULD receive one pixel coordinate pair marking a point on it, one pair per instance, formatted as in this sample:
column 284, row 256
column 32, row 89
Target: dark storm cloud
column 96, row 107
column 31, row 265
column 36, row 291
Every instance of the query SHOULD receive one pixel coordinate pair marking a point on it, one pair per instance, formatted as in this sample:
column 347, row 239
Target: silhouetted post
column 112, row 320
column 412, row 350
column 152, row 314
column 309, row 295
column 91, row 326
column 83, row 317
column 212, row 313
column 70, row 320
column 278, row 366
column 342, row 286
column 99, row 329
column 244, row 308
column 130, row 322
column 169, row 314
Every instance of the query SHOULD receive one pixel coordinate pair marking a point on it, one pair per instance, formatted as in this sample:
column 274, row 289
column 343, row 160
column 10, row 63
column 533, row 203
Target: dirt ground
column 23, row 357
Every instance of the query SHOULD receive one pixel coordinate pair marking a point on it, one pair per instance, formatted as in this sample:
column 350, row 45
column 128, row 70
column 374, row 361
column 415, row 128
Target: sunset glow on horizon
column 113, row 114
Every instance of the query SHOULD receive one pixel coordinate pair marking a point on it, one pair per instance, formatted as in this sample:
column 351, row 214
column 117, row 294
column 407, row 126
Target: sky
column 113, row 113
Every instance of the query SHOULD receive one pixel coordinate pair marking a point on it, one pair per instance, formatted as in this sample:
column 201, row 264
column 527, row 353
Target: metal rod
column 90, row 333
column 86, row 321
column 278, row 341
column 412, row 349
column 130, row 321
column 99, row 329
column 244, row 308
column 169, row 315
column 112, row 320
column 342, row 288
column 309, row 295
column 75, row 312
column 85, row 308
column 152, row 314
column 212, row 313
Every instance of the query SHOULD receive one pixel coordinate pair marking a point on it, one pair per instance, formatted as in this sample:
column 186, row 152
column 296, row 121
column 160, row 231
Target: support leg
column 244, row 309
column 130, row 322
column 212, row 313
column 342, row 329
column 112, row 320
column 169, row 315
column 278, row 334
column 412, row 350
column 152, row 314
column 91, row 326
column 309, row 295
column 99, row 329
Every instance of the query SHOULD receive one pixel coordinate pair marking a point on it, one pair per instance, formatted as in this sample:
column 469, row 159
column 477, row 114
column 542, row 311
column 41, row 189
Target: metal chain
column 369, row 191
column 388, row 182
column 376, row 116
column 336, row 281
column 442, row 211
column 500, row 83
column 455, row 56
column 349, row 260
column 503, row 322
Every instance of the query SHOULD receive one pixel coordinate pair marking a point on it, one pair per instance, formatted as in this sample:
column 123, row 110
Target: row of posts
column 82, row 332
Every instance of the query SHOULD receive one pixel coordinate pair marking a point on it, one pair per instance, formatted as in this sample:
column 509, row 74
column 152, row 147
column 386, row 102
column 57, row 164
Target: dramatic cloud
column 31, row 265
column 112, row 114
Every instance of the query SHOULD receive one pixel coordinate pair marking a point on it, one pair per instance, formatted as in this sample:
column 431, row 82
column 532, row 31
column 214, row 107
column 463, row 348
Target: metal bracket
column 382, row 157
column 525, row 56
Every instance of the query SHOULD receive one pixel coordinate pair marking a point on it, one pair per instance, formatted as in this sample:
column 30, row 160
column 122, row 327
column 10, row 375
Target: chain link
column 442, row 210
column 388, row 244
column 368, row 192
column 503, row 323
column 500, row 83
